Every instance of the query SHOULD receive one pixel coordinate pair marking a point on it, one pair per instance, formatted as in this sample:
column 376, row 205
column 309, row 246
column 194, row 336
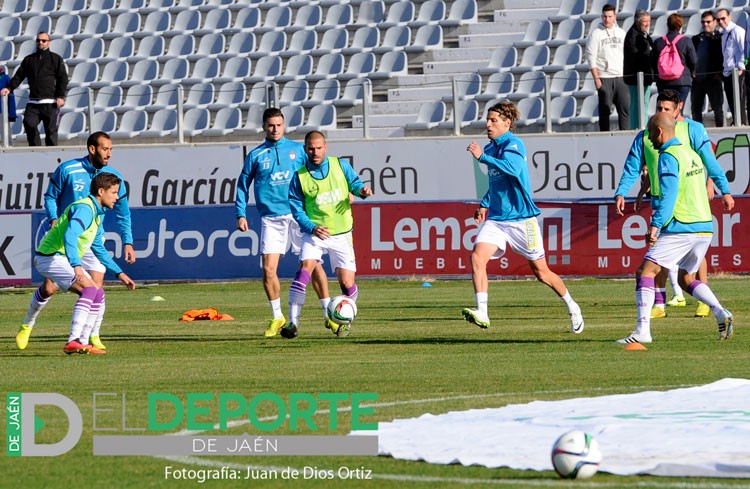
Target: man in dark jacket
column 708, row 71
column 48, row 84
column 639, row 57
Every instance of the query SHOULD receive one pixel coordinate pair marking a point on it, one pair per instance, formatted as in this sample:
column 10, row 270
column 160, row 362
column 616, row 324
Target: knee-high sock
column 94, row 314
column 676, row 289
column 81, row 310
column 297, row 293
column 100, row 316
column 352, row 292
column 644, row 301
column 702, row 292
column 35, row 307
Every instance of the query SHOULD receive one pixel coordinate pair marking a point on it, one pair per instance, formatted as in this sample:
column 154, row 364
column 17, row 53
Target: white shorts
column 57, row 268
column 524, row 237
column 340, row 249
column 680, row 250
column 91, row 263
column 277, row 233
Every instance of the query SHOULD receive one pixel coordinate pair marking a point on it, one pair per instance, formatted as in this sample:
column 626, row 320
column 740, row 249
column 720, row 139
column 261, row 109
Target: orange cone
column 635, row 347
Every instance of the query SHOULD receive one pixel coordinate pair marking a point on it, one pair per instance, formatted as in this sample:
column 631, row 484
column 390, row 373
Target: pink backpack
column 669, row 65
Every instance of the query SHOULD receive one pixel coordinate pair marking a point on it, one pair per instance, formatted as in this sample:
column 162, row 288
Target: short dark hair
column 508, row 110
column 93, row 139
column 104, row 180
column 708, row 13
column 272, row 112
column 669, row 95
column 608, row 7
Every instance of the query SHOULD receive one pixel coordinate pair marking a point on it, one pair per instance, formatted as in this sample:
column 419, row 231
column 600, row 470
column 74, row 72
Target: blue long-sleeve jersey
column 79, row 219
column 669, row 181
column 71, row 181
column 271, row 166
column 699, row 142
column 509, row 195
column 297, row 197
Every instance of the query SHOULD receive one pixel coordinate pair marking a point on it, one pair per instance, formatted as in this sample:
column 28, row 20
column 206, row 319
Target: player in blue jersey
column 59, row 258
column 681, row 228
column 270, row 166
column 508, row 215
column 70, row 182
column 643, row 154
column 319, row 200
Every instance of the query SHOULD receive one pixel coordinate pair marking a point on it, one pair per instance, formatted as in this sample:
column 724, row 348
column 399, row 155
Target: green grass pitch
column 409, row 344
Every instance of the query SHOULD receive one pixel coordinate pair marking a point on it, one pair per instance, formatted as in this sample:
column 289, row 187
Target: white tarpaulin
column 699, row 431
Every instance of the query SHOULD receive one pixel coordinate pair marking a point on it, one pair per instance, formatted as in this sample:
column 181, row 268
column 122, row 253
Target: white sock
column 568, row 300
column 482, row 299
column 276, row 308
column 35, row 307
column 324, row 305
column 644, row 300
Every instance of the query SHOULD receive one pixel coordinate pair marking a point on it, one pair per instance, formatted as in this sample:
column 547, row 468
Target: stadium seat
column 294, row 116
column 569, row 31
column 354, row 92
column 7, row 51
column 659, row 27
column 173, row 71
column 564, row 83
column 240, row 45
column 114, row 73
column 137, row 98
column 229, row 94
column 271, row 43
column 537, row 32
column 360, row 65
column 156, row 24
column 307, row 17
column 10, row 29
column 216, row 21
column 332, row 41
column 72, row 125
column 324, row 92
column 266, row 69
column 27, row 47
column 370, row 13
column 320, row 118
column 629, row 8
column 503, row 58
column 235, row 69
column 196, row 120
column 13, row 8
column 77, row 100
column 186, row 22
column 66, row 27
column 396, row 38
column 461, row 12
column 166, row 98
column 200, row 95
column 180, row 46
column 108, row 99
column 302, row 42
column 145, row 71
column 531, row 84
column 128, row 6
column 469, row 86
column 104, row 121
column 567, row 57
column 431, row 12
column 210, row 45
column 561, row 110
column 163, row 123
column 64, row 47
column 399, row 13
column 34, row 26
column 126, row 24
column 365, row 39
column 467, row 112
column 204, row 70
column 294, row 93
column 732, row 4
column 531, row 110
column 569, row 9
column 693, row 26
column 277, row 18
column 150, row 47
column 253, row 121
column 37, row 7
column 101, row 6
column 84, row 74
column 297, row 67
column 595, row 9
column 256, row 95
column 69, row 7
column 588, row 87
column 589, row 111
column 534, row 58
column 430, row 115
column 120, row 49
column 498, row 86
column 97, row 25
column 247, row 19
column 329, row 66
column 392, row 63
column 158, row 5
column 665, row 7
column 427, row 37
column 338, row 16
column 227, row 120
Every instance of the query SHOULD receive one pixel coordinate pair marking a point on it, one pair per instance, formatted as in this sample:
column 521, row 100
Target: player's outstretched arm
column 127, row 281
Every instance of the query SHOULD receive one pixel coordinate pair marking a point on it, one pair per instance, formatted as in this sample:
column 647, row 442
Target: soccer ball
column 342, row 310
column 576, row 455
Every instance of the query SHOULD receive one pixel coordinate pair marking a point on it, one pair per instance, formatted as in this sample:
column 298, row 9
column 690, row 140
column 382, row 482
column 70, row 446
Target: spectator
column 48, row 84
column 733, row 47
column 639, row 57
column 4, row 82
column 685, row 48
column 604, row 53
column 708, row 71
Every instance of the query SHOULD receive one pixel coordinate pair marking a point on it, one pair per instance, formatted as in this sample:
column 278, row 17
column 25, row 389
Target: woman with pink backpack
column 675, row 59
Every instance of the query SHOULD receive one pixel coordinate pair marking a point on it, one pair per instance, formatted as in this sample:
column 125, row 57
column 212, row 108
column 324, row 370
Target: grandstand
column 424, row 67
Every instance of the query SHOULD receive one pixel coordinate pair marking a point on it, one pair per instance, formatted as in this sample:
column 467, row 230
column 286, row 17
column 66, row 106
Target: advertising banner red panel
column 436, row 238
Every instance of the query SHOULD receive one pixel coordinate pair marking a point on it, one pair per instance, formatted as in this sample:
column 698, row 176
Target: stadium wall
column 418, row 223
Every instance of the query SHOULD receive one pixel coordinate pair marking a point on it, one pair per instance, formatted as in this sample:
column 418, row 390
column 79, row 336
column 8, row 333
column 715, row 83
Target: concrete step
column 489, row 40
column 426, row 93
column 494, row 27
column 385, row 120
column 458, row 54
column 453, row 67
column 395, row 108
column 412, row 81
column 525, row 14
column 526, row 4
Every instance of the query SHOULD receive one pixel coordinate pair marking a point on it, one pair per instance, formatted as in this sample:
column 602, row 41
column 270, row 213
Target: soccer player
column 508, row 215
column 642, row 153
column 70, row 182
column 59, row 256
column 680, row 230
column 319, row 199
column 271, row 166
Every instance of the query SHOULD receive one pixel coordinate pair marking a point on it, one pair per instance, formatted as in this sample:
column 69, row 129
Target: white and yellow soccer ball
column 576, row 455
column 342, row 310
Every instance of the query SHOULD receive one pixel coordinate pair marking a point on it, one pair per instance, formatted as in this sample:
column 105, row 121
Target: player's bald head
column 662, row 121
